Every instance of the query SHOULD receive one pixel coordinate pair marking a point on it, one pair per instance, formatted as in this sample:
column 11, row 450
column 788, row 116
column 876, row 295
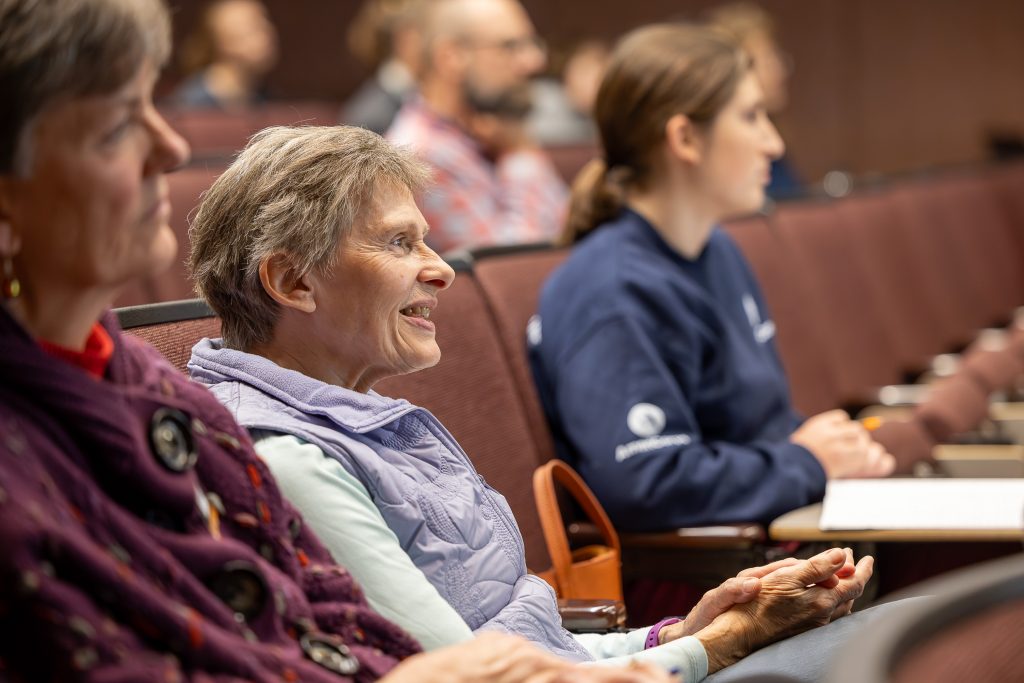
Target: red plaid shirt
column 473, row 202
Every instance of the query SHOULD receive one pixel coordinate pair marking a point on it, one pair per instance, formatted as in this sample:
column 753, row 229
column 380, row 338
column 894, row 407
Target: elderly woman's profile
column 311, row 250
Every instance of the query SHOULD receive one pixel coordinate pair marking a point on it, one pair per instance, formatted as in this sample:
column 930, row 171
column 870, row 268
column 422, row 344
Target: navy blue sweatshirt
column 661, row 382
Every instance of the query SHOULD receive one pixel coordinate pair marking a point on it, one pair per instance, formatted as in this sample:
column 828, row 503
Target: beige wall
column 879, row 85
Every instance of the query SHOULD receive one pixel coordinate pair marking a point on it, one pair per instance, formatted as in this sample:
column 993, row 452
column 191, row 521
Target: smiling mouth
column 416, row 312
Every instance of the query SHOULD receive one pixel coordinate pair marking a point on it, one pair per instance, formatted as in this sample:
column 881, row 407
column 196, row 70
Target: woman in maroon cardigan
column 140, row 538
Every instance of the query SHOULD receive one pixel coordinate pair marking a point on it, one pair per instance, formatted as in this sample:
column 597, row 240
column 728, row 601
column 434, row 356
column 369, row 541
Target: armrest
column 1008, row 417
column 592, row 616
column 740, row 536
column 887, row 398
column 979, row 461
column 712, row 537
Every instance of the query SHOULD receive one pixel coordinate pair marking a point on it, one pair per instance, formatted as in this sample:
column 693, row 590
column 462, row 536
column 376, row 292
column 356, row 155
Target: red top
column 99, row 347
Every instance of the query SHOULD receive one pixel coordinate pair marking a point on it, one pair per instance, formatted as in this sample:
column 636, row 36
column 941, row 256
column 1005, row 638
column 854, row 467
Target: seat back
column 812, row 381
column 980, row 232
column 473, row 393
column 172, row 327
column 219, row 134
column 1008, row 184
column 860, row 347
column 904, row 301
column 940, row 267
column 511, row 281
column 969, row 628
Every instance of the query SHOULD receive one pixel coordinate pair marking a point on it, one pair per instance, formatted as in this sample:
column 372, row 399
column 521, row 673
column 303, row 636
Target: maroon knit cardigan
column 109, row 561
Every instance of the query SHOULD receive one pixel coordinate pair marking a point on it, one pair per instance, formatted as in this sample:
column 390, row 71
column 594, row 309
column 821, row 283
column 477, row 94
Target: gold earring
column 10, row 285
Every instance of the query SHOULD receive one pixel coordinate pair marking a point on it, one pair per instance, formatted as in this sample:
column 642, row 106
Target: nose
column 436, row 272
column 774, row 146
column 170, row 150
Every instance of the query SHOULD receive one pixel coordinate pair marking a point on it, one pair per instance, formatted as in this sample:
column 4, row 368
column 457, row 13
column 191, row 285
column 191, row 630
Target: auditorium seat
column 968, row 627
column 790, row 302
column 960, row 298
column 511, row 279
column 905, row 301
column 861, row 348
column 212, row 133
column 173, row 328
column 975, row 230
column 218, row 134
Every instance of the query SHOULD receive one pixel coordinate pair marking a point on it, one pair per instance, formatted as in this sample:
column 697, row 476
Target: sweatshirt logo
column 533, row 332
column 645, row 419
column 763, row 329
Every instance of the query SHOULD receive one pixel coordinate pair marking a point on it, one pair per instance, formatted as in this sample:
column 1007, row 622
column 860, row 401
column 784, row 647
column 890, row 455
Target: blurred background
column 875, row 87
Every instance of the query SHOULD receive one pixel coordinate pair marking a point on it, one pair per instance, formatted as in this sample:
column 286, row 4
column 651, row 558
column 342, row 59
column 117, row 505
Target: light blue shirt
column 341, row 512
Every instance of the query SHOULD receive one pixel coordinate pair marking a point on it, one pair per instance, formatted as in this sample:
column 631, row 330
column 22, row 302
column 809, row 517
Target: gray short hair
column 296, row 190
column 54, row 49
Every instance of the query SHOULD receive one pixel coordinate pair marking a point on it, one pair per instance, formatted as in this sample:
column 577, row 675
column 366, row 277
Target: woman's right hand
column 843, row 446
column 500, row 658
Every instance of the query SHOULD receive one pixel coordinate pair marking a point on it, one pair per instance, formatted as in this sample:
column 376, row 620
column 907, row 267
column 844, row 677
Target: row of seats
column 840, row 290
column 867, row 290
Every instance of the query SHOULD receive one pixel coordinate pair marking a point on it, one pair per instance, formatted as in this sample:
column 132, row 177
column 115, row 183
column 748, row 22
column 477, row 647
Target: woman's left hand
column 716, row 601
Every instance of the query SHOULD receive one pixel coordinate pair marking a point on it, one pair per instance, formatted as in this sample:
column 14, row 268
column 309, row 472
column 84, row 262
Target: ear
column 283, row 283
column 683, row 140
column 450, row 58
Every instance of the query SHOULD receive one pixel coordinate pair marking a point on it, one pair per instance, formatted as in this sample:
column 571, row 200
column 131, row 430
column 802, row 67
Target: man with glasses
column 491, row 184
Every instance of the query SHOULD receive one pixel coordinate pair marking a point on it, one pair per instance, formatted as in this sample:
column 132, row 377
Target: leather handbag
column 593, row 572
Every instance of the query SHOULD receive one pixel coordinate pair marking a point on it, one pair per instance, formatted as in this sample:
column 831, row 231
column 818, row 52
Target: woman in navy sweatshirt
column 652, row 350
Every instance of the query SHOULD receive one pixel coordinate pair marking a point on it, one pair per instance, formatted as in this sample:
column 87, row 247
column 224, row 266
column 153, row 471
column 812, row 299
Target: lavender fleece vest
column 458, row 530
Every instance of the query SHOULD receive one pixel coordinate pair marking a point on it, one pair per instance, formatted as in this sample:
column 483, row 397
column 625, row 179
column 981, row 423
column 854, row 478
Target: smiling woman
column 369, row 309
column 312, row 250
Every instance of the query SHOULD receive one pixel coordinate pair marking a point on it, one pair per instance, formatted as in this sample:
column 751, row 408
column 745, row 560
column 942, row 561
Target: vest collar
column 212, row 363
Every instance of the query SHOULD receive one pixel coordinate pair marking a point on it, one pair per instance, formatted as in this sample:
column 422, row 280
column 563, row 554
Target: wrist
column 723, row 643
column 657, row 635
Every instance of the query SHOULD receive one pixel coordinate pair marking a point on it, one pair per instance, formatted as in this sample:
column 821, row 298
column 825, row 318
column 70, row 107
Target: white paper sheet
column 857, row 504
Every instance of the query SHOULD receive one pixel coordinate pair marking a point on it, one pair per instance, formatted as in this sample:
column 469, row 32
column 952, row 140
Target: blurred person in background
column 491, row 183
column 385, row 35
column 563, row 107
column 753, row 29
column 227, row 56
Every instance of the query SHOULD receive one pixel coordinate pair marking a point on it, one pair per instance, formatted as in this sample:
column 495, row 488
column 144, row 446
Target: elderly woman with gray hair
column 311, row 250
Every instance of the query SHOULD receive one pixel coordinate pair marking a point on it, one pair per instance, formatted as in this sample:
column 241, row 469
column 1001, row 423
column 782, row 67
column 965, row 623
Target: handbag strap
column 544, row 479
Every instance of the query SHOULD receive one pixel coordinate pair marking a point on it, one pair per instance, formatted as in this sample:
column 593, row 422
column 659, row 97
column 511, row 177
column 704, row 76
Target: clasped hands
column 757, row 607
column 764, row 604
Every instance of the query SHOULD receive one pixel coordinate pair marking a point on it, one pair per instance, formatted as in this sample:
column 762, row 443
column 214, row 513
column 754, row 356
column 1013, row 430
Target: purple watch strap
column 652, row 635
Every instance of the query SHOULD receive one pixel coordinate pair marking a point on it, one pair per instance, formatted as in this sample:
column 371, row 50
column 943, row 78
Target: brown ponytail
column 654, row 73
column 598, row 195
